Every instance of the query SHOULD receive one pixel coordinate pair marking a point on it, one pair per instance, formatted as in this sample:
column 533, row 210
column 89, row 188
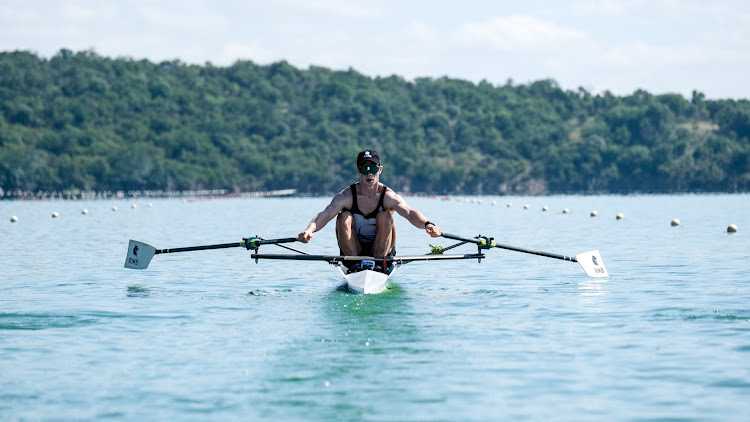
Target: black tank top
column 355, row 208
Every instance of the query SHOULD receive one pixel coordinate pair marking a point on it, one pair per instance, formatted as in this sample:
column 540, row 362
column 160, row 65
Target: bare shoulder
column 343, row 199
column 392, row 200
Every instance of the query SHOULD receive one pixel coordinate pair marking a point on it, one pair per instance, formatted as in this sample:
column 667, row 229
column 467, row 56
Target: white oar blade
column 139, row 255
column 592, row 263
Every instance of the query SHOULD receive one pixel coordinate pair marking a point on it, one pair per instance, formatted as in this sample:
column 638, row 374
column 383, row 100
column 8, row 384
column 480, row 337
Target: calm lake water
column 211, row 335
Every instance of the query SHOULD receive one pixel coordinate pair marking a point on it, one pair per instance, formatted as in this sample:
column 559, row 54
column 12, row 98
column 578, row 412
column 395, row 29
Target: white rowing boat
column 366, row 278
column 367, row 281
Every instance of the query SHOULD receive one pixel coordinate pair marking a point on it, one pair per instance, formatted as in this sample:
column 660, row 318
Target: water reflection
column 138, row 291
column 592, row 287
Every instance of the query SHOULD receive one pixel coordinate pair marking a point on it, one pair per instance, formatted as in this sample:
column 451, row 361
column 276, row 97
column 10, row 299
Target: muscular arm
column 339, row 202
column 394, row 201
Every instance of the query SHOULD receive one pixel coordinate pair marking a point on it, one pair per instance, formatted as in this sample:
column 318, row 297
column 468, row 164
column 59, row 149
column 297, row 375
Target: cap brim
column 361, row 163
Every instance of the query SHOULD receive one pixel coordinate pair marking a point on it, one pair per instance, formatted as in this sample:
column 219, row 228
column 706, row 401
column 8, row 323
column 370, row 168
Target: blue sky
column 657, row 45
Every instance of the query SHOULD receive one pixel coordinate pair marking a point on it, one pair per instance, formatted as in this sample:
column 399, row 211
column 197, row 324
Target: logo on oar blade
column 593, row 259
column 135, row 250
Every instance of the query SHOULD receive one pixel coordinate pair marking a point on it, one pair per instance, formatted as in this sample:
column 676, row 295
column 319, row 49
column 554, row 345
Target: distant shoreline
column 91, row 195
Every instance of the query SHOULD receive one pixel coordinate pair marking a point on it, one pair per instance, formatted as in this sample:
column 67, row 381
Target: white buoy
column 620, row 216
column 480, row 201
column 732, row 228
column 510, row 204
column 526, row 206
column 149, row 205
column 134, row 206
column 55, row 214
column 114, row 208
column 566, row 211
column 675, row 222
column 545, row 208
column 14, row 219
column 494, row 203
column 594, row 213
column 84, row 211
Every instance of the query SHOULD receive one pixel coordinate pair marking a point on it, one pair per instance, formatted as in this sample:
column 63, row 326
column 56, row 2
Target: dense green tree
column 80, row 121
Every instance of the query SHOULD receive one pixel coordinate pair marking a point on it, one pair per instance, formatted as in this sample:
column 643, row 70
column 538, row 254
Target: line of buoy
column 732, row 228
column 84, row 211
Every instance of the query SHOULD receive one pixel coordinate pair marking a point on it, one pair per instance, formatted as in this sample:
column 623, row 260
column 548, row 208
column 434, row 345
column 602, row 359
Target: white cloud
column 15, row 14
column 421, row 32
column 80, row 14
column 249, row 50
column 350, row 9
column 519, row 34
column 619, row 45
column 179, row 17
column 639, row 56
column 606, row 8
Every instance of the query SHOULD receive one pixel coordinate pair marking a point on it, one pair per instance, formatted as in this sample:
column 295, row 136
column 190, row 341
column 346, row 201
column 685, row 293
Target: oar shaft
column 547, row 254
column 481, row 241
column 201, row 248
column 256, row 242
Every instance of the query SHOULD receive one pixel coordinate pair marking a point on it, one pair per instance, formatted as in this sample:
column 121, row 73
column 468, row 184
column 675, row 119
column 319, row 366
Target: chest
column 367, row 203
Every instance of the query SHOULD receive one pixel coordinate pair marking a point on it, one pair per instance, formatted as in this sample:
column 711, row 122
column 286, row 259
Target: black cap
column 368, row 155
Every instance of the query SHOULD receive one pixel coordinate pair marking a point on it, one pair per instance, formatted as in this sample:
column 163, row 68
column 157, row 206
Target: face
column 368, row 167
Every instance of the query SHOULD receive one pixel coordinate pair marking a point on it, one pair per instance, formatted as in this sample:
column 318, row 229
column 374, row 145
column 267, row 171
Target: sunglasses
column 369, row 169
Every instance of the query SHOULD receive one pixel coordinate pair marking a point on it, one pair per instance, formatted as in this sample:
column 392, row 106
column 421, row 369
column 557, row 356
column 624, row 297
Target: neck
column 369, row 189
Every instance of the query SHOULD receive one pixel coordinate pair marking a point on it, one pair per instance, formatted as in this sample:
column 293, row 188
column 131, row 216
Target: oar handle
column 486, row 243
column 480, row 241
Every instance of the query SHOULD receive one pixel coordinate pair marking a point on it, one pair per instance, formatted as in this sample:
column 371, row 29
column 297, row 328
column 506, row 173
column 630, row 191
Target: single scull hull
column 366, row 281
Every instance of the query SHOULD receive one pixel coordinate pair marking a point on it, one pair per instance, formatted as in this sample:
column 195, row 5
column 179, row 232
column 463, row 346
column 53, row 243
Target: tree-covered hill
column 82, row 121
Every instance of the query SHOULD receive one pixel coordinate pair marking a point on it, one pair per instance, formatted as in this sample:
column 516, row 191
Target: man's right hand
column 305, row 236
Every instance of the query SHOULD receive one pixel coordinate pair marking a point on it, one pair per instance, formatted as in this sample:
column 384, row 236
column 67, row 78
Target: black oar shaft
column 242, row 244
column 481, row 241
column 201, row 248
column 547, row 254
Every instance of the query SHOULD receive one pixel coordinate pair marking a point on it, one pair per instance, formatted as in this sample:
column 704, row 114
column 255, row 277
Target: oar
column 140, row 254
column 591, row 261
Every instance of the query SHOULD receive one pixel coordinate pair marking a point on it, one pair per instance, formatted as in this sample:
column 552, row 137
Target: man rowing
column 364, row 213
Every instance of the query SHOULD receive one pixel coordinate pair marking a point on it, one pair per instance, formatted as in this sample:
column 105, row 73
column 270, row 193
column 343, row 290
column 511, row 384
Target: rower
column 364, row 214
